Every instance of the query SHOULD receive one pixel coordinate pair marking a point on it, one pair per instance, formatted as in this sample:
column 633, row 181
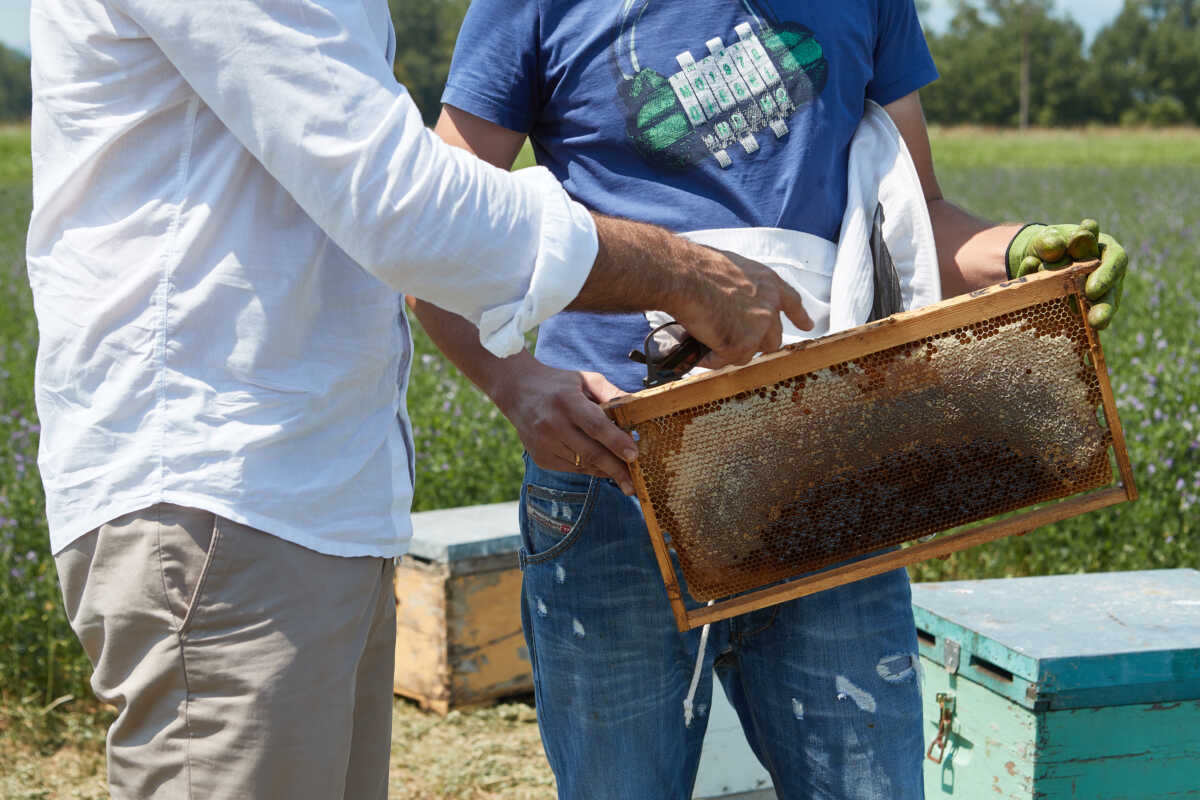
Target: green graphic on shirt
column 717, row 106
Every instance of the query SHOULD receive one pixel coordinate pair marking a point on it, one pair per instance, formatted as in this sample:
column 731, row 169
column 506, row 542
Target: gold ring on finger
column 578, row 461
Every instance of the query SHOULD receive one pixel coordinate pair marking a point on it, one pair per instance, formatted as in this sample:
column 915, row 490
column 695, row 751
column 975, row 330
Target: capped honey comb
column 844, row 448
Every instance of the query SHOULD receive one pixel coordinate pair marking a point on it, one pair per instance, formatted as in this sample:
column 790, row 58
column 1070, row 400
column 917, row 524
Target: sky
column 14, row 24
column 1091, row 15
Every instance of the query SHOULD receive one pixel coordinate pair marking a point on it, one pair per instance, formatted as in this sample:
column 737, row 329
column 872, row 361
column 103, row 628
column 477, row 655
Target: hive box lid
column 1068, row 641
column 451, row 535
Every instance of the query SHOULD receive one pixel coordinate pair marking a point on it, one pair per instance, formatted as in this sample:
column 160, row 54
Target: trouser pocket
column 187, row 541
column 555, row 507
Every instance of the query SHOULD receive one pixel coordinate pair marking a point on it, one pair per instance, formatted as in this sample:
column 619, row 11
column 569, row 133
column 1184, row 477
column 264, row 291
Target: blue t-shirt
column 686, row 115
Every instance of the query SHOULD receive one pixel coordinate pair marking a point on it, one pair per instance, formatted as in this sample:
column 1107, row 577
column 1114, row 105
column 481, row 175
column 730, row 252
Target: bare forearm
column 970, row 250
column 728, row 302
column 458, row 339
column 555, row 412
column 636, row 262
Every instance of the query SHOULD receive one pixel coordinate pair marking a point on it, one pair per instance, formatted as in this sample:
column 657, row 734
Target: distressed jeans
column 826, row 686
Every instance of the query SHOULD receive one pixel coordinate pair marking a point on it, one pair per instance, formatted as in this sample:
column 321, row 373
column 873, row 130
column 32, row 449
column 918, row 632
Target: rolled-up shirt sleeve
column 306, row 89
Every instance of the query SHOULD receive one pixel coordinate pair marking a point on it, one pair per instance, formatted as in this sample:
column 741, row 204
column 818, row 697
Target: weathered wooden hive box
column 1074, row 686
column 459, row 640
column 458, row 619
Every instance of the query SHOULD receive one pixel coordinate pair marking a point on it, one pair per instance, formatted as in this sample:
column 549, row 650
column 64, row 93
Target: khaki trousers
column 241, row 665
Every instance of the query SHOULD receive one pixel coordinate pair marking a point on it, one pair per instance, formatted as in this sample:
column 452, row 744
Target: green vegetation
column 1152, row 348
column 42, row 660
column 961, row 148
column 15, row 164
column 1140, row 185
column 466, row 451
column 525, row 158
column 16, row 93
column 1142, row 68
column 425, row 34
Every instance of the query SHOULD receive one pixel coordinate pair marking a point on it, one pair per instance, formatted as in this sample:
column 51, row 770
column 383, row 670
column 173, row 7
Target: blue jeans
column 826, row 686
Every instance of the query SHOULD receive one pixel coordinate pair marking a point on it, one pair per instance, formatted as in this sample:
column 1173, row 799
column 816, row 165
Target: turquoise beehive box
column 1072, row 686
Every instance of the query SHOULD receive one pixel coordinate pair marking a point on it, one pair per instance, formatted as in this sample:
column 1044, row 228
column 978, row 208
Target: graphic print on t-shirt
column 718, row 105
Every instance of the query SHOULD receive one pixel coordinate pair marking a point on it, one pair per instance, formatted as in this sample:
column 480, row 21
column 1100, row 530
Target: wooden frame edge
column 896, row 330
column 661, row 554
column 814, row 354
column 1109, row 403
column 1022, row 522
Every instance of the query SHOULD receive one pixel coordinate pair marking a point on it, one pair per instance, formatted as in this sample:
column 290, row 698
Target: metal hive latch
column 945, row 702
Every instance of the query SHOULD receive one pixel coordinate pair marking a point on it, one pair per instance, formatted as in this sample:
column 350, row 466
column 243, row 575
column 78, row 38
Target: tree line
column 1015, row 62
column 1002, row 62
column 16, row 95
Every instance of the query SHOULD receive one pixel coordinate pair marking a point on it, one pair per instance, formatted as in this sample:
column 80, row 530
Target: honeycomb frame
column 909, row 438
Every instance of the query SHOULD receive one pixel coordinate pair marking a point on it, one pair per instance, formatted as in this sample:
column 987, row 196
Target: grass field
column 966, row 147
column 1141, row 185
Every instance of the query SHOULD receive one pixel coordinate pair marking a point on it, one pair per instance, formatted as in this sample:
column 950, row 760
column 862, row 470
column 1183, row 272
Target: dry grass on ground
column 477, row 754
column 54, row 754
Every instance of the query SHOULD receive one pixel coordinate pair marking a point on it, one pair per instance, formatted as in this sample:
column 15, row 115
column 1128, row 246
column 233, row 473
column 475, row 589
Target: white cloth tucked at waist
column 836, row 281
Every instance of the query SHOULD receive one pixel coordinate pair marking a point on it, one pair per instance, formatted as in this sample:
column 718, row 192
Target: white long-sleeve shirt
column 228, row 197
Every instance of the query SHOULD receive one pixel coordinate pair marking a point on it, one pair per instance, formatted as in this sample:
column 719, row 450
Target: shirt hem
column 60, row 541
column 906, row 85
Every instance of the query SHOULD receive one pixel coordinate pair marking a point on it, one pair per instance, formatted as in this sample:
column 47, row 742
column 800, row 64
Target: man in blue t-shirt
column 713, row 118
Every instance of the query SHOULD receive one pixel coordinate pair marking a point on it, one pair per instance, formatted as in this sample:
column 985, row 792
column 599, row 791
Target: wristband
column 1008, row 265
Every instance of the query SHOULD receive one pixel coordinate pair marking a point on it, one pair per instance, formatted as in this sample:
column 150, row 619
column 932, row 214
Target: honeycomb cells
column 781, row 480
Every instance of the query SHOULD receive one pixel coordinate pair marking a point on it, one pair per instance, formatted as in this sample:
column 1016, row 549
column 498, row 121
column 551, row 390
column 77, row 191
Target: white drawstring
column 689, row 701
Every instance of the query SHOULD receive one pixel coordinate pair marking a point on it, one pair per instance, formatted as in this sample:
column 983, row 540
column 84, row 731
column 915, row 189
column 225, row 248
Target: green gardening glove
column 1038, row 247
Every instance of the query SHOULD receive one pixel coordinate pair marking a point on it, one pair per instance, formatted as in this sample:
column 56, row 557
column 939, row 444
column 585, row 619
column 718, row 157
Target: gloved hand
column 1038, row 247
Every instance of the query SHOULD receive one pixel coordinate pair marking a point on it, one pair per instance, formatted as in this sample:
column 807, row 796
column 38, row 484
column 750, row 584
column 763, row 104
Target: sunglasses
column 669, row 353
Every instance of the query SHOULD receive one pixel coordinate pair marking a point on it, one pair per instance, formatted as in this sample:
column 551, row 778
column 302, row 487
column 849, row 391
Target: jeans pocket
column 552, row 519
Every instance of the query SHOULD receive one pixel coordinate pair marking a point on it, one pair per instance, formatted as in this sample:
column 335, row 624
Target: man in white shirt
column 229, row 198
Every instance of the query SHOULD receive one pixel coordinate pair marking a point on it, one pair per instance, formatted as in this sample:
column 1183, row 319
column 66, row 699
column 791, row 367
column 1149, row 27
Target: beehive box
column 458, row 618
column 1069, row 687
column 729, row 770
